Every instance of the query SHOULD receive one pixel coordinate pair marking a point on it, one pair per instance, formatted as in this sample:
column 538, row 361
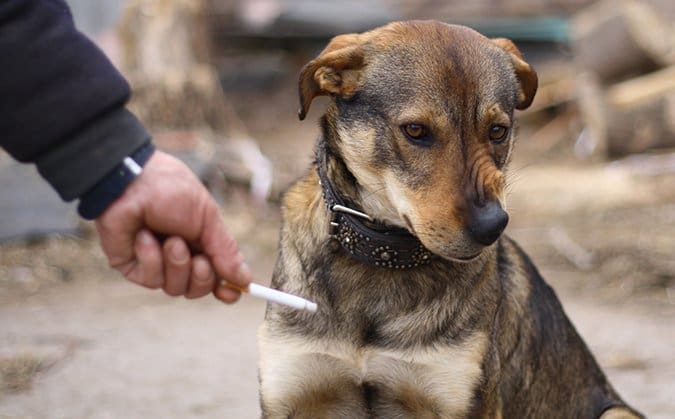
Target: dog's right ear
column 527, row 77
column 336, row 71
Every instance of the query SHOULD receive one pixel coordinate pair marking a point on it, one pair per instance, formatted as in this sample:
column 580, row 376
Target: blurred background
column 592, row 196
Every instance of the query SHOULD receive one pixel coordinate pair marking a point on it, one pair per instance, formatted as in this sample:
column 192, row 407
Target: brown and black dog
column 425, row 309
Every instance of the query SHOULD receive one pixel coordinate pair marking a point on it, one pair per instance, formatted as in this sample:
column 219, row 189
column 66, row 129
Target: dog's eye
column 498, row 133
column 416, row 133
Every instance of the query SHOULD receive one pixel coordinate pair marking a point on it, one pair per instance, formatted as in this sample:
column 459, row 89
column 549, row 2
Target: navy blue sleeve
column 61, row 100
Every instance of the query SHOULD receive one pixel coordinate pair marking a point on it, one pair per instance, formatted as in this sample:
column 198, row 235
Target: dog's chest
column 320, row 376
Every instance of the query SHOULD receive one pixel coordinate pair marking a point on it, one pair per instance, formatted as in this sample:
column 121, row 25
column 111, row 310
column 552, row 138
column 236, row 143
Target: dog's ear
column 335, row 71
column 527, row 77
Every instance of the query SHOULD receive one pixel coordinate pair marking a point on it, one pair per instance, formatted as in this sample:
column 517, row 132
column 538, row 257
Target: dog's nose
column 487, row 222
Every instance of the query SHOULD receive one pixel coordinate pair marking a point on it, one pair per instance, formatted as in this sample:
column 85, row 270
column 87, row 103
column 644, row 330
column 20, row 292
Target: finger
column 148, row 269
column 226, row 294
column 222, row 250
column 176, row 266
column 118, row 230
column 202, row 278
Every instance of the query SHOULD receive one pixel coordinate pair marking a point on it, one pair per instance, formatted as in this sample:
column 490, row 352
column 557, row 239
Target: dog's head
column 424, row 115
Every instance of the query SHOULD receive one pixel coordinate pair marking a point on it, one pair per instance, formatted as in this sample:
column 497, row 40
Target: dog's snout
column 488, row 221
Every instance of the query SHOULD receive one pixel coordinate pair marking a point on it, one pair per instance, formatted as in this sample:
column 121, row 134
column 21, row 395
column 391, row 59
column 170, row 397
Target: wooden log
column 642, row 89
column 630, row 117
column 642, row 113
column 164, row 35
column 166, row 56
column 590, row 99
column 553, row 94
column 642, row 127
column 181, row 101
column 652, row 28
column 556, row 132
column 617, row 40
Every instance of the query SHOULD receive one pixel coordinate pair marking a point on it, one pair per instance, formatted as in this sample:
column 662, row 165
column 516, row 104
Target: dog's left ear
column 527, row 77
column 336, row 71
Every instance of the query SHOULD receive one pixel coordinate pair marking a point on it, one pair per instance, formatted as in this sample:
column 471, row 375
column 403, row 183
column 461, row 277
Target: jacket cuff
column 97, row 199
column 77, row 165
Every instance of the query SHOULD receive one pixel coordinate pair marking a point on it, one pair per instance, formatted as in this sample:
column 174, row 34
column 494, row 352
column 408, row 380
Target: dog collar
column 365, row 239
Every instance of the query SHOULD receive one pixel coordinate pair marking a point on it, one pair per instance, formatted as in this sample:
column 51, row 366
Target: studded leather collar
column 365, row 239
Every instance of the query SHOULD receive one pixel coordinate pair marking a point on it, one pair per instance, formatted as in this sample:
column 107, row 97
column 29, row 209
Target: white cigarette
column 276, row 296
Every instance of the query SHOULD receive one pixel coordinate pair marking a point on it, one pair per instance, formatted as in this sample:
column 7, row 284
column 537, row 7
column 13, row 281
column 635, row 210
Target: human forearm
column 62, row 100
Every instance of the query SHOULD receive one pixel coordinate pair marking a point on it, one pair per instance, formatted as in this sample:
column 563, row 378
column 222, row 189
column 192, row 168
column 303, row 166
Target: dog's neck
column 359, row 192
column 361, row 235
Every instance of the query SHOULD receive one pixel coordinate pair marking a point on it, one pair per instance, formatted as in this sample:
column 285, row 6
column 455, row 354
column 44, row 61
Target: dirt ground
column 77, row 341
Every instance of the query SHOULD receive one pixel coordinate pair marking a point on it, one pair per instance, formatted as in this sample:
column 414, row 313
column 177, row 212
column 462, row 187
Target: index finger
column 117, row 229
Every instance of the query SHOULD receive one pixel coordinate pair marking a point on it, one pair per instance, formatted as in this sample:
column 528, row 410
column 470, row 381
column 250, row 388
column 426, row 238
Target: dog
column 426, row 310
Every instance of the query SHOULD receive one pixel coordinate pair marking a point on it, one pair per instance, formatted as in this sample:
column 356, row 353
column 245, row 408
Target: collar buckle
column 350, row 211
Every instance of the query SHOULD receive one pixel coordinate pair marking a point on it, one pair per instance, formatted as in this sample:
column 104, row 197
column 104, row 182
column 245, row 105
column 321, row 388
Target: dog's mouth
column 451, row 257
column 459, row 254
column 464, row 259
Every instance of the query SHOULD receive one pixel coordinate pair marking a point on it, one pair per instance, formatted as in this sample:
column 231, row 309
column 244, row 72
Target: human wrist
column 97, row 199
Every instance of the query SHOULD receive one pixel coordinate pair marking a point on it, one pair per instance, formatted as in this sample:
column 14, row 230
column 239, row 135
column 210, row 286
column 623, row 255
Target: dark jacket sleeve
column 61, row 100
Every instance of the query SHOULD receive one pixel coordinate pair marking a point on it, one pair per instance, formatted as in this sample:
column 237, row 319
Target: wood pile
column 626, row 87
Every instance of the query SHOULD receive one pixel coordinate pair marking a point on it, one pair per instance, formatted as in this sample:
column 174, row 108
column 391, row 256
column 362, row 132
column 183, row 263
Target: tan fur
column 413, row 383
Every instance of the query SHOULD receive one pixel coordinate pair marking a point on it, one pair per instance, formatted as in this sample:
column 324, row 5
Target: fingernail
column 179, row 254
column 146, row 238
column 201, row 270
column 244, row 273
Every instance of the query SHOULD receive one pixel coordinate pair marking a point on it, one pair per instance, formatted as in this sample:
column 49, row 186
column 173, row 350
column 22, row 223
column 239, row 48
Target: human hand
column 168, row 200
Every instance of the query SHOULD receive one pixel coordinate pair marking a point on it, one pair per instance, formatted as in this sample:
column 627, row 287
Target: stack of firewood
column 626, row 54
